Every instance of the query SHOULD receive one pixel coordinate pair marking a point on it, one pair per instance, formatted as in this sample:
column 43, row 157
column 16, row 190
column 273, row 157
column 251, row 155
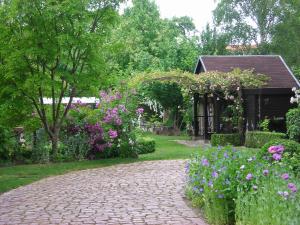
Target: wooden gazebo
column 272, row 101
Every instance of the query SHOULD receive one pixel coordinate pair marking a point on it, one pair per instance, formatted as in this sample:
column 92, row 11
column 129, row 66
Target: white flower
column 250, row 159
column 294, row 100
column 294, row 89
column 242, row 167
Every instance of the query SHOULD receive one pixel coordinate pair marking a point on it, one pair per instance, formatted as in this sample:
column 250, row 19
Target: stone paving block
column 138, row 193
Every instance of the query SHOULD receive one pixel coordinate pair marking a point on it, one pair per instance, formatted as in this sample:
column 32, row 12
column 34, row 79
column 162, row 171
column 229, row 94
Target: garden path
column 139, row 193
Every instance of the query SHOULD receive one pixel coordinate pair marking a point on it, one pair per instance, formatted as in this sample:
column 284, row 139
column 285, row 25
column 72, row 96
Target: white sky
column 199, row 10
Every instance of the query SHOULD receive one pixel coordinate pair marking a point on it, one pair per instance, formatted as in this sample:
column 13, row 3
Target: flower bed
column 244, row 187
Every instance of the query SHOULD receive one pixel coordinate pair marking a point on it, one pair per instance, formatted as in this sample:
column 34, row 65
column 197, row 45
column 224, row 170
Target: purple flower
column 122, row 108
column 118, row 121
column 226, row 155
column 285, row 176
column 139, row 111
column 266, row 172
column 210, row 184
column 214, row 174
column 276, row 156
column 112, row 134
column 205, row 162
column 292, row 187
column 249, row 176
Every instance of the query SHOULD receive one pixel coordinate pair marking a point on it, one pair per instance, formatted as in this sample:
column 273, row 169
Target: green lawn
column 15, row 176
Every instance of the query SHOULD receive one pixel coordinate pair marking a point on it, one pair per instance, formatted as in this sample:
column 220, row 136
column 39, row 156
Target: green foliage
column 272, row 202
column 55, row 50
column 145, row 145
column 41, row 149
column 6, row 144
column 293, row 124
column 256, row 139
column 237, row 187
column 76, row 147
column 248, row 21
column 286, row 39
column 291, row 152
column 226, row 139
column 264, row 125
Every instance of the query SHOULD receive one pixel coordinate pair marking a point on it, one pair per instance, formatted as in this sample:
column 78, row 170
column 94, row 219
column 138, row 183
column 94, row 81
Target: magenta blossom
column 276, row 156
column 249, row 176
column 292, row 187
column 112, row 134
column 285, row 176
column 140, row 111
column 276, row 149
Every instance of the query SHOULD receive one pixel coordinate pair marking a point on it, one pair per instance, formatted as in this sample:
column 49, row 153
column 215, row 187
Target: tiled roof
column 272, row 66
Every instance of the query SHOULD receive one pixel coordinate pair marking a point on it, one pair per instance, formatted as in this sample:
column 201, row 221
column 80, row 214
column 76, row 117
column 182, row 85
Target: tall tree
column 286, row 40
column 248, row 21
column 52, row 49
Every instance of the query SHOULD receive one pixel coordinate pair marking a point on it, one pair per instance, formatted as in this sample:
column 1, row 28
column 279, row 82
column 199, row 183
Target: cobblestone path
column 138, row 193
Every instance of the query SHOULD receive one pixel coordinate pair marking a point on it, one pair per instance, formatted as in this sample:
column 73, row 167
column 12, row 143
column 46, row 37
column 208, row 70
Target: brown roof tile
column 272, row 66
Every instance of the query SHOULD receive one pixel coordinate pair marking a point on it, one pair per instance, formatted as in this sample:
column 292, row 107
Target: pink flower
column 276, row 149
column 139, row 111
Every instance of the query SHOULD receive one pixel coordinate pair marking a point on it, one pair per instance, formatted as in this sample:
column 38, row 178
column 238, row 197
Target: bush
column 291, row 152
column 257, row 139
column 293, row 124
column 145, row 145
column 41, row 149
column 6, row 144
column 237, row 187
column 226, row 139
column 75, row 147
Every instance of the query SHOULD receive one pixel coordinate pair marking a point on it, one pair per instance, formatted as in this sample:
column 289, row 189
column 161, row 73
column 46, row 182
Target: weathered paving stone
column 139, row 193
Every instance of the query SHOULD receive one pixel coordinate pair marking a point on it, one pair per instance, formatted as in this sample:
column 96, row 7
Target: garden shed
column 271, row 101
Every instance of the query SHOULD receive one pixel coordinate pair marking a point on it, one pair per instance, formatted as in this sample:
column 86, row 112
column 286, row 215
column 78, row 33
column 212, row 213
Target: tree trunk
column 54, row 142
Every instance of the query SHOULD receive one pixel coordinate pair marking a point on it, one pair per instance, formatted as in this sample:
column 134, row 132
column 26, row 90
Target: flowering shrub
column 237, row 187
column 109, row 126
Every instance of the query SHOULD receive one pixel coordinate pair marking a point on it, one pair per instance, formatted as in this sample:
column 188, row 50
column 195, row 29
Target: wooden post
column 205, row 117
column 196, row 122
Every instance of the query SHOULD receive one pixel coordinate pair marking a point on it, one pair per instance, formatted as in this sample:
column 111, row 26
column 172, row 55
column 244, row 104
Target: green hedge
column 145, row 145
column 226, row 139
column 293, row 124
column 257, row 139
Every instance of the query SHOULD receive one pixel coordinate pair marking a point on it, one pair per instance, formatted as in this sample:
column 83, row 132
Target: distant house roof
column 270, row 65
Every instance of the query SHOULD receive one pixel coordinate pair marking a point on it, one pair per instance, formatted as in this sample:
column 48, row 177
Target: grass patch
column 16, row 176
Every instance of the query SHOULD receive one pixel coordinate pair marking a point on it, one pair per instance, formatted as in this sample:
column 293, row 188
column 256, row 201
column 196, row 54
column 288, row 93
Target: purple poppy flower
column 276, row 156
column 249, row 176
column 266, row 172
column 285, row 176
column 292, row 187
column 272, row 149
